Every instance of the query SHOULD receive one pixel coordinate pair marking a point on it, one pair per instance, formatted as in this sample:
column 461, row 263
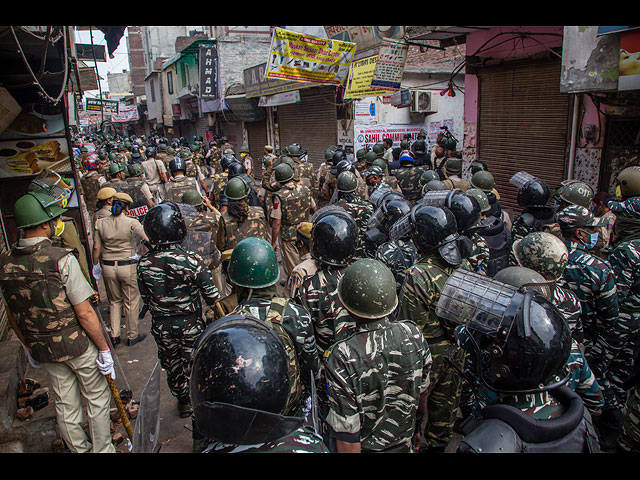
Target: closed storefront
column 312, row 123
column 522, row 123
column 257, row 132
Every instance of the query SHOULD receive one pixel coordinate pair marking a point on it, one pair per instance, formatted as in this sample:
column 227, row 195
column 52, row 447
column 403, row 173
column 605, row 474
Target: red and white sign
column 139, row 211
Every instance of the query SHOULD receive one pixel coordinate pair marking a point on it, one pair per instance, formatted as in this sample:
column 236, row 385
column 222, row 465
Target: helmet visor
column 520, row 179
column 476, row 300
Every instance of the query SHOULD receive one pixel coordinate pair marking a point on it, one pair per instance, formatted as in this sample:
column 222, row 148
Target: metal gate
column 312, row 123
column 257, row 132
column 522, row 123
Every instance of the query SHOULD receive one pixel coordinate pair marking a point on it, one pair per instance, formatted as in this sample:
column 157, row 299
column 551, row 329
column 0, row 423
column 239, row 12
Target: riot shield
column 146, row 432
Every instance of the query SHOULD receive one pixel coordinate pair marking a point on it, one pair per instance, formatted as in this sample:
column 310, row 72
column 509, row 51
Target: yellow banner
column 303, row 58
column 359, row 81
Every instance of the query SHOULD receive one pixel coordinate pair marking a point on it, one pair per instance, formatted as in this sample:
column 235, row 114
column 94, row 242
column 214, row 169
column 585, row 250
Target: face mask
column 56, row 228
column 593, row 239
column 618, row 191
column 242, row 155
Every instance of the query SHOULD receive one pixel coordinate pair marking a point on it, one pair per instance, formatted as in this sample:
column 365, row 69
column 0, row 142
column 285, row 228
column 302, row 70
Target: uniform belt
column 118, row 262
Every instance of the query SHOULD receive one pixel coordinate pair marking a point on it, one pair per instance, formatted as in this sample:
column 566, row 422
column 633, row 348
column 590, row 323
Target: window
column 153, row 90
column 170, row 82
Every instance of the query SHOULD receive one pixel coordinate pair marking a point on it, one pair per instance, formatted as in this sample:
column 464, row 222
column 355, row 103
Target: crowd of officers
column 374, row 304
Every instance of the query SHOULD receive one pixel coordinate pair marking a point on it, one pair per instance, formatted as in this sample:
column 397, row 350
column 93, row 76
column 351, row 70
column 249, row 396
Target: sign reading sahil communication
column 303, row 58
column 208, row 60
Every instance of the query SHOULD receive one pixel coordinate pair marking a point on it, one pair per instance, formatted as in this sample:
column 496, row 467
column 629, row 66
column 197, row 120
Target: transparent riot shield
column 146, row 431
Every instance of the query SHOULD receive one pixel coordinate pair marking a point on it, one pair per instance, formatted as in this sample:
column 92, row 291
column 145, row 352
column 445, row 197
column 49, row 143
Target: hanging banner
column 368, row 135
column 106, row 106
column 303, row 58
column 208, row 64
column 358, row 83
column 390, row 65
column 127, row 113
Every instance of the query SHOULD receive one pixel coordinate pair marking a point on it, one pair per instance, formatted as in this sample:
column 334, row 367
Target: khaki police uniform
column 120, row 237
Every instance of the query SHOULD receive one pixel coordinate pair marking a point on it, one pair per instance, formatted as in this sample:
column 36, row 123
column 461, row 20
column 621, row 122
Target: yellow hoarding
column 304, row 58
column 358, row 83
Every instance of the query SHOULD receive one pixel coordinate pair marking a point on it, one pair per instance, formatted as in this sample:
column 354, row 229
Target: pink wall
column 504, row 45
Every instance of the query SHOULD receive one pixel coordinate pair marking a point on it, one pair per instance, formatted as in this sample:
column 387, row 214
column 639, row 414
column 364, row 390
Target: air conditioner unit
column 424, row 101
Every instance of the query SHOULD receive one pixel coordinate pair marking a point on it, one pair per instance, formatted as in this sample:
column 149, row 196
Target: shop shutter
column 231, row 128
column 312, row 123
column 257, row 132
column 522, row 124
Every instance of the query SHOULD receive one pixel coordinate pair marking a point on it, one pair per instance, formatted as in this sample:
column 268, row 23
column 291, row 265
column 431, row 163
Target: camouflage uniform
column 360, row 210
column 305, row 173
column 171, row 281
column 625, row 260
column 544, row 220
column 220, row 181
column 319, row 296
column 301, row 440
column 375, row 377
column 417, row 301
column 177, row 186
column 91, row 183
column 630, row 206
column 293, row 325
column 398, row 255
column 629, row 439
column 230, row 232
column 409, row 182
column 593, row 281
column 479, row 258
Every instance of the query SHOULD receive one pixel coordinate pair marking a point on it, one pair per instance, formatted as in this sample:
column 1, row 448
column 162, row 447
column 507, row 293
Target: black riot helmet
column 466, row 209
column 235, row 169
column 226, row 160
column 391, row 210
column 177, row 164
column 239, row 382
column 342, row 166
column 431, row 227
column 334, row 238
column 150, row 152
column 164, row 224
column 520, row 342
column 532, row 191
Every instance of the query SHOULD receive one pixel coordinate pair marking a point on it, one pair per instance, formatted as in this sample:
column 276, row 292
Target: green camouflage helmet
column 378, row 149
column 284, row 159
column 283, row 173
column 427, row 176
column 36, row 208
column 135, row 170
column 293, row 150
column 361, row 153
column 576, row 193
column 543, row 252
column 192, row 197
column 483, row 180
column 253, row 264
column 522, row 277
column 629, row 181
column 115, row 168
column 434, row 185
column 368, row 289
column 477, row 166
column 379, row 162
column 481, row 197
column 370, row 157
column 113, row 157
column 346, row 182
column 577, row 216
column 453, row 165
column 236, row 189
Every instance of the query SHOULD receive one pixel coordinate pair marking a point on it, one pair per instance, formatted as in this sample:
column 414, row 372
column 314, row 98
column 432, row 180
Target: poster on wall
column 390, row 65
column 368, row 135
column 358, row 83
column 303, row 58
column 29, row 156
column 629, row 69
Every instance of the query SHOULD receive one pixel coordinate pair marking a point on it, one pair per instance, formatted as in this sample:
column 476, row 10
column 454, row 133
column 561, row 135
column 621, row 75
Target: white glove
column 135, row 257
column 105, row 363
column 97, row 271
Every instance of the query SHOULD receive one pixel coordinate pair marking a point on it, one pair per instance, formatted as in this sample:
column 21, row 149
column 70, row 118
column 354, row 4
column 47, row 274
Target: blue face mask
column 593, row 239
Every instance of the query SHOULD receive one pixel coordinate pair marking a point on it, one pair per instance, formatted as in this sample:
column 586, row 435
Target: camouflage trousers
column 629, row 439
column 619, row 367
column 445, row 386
column 175, row 339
